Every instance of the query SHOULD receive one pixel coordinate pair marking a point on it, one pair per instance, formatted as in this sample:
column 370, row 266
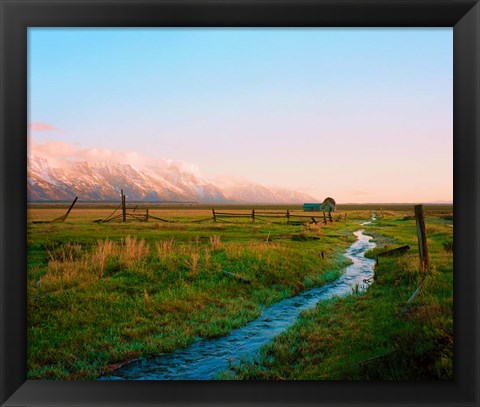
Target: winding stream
column 207, row 357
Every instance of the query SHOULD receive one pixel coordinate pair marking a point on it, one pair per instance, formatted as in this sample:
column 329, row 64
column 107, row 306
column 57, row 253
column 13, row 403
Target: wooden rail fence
column 269, row 216
column 137, row 215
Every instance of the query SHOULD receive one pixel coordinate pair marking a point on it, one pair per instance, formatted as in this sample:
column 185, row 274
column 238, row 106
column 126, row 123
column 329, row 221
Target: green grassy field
column 377, row 335
column 101, row 294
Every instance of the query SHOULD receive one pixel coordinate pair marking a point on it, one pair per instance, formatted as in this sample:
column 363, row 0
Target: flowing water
column 372, row 219
column 207, row 357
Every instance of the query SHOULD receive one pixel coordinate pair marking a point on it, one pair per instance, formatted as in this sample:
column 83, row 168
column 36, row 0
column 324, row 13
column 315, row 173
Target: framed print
column 213, row 202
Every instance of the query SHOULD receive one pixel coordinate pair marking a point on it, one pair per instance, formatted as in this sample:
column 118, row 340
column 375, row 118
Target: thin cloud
column 59, row 153
column 41, row 126
column 53, row 149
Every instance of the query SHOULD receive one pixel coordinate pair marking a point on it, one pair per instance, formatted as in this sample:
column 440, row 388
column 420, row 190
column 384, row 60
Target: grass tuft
column 215, row 242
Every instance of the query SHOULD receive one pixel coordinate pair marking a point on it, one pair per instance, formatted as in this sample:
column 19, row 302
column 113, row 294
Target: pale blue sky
column 358, row 114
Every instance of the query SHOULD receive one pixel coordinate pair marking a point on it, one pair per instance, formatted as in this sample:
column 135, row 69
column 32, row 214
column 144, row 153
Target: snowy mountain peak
column 156, row 181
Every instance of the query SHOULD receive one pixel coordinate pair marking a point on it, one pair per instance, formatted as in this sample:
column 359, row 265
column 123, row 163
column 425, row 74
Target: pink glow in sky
column 362, row 115
column 41, row 126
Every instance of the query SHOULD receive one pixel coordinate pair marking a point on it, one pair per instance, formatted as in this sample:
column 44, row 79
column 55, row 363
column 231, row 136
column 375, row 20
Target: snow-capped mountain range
column 153, row 181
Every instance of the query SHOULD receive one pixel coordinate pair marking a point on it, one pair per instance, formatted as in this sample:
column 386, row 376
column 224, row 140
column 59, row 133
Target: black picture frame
column 17, row 15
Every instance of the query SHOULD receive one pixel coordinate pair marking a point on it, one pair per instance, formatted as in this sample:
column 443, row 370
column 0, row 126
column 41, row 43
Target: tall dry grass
column 146, row 297
column 134, row 250
column 103, row 252
column 192, row 263
column 215, row 242
column 69, row 265
column 165, row 248
column 67, row 252
column 208, row 260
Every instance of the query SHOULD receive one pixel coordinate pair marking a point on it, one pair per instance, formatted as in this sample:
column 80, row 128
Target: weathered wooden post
column 422, row 237
column 330, row 216
column 253, row 215
column 324, row 218
column 214, row 216
column 345, row 215
column 69, row 209
column 288, row 216
column 124, row 209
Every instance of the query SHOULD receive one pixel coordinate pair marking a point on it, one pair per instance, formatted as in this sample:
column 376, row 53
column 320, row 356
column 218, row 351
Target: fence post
column 422, row 237
column 214, row 217
column 70, row 208
column 288, row 216
column 124, row 209
column 345, row 215
column 253, row 215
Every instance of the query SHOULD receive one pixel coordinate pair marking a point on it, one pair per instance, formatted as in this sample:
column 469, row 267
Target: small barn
column 311, row 207
column 328, row 205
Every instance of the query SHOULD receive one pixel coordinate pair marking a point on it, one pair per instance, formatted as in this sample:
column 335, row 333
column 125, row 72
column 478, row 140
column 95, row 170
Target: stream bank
column 207, row 357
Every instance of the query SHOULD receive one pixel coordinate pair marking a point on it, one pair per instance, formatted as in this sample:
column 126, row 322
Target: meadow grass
column 376, row 335
column 100, row 294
